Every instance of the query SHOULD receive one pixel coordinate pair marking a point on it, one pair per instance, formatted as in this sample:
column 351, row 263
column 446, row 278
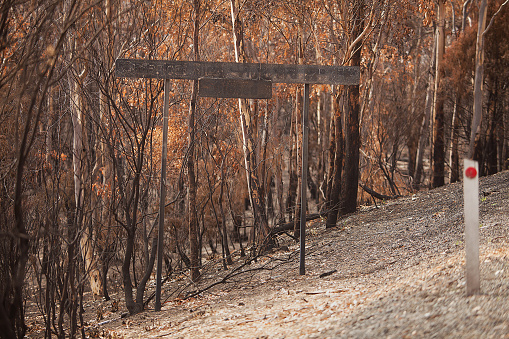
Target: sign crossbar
column 277, row 73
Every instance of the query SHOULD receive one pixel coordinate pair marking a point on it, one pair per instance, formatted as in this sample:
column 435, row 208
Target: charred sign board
column 235, row 88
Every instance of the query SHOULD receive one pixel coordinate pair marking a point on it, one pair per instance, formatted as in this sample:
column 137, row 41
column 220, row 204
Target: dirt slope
column 393, row 271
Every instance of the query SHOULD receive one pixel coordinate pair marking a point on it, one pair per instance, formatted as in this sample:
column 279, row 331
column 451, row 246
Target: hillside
column 395, row 270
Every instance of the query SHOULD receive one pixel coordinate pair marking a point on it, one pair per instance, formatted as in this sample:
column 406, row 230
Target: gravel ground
column 392, row 271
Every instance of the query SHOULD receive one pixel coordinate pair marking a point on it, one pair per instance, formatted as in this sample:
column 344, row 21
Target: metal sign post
column 304, row 180
column 235, row 80
column 162, row 194
column 471, row 213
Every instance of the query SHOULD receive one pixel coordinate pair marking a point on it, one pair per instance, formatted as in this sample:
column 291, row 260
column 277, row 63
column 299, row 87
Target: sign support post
column 162, row 195
column 304, row 180
column 471, row 213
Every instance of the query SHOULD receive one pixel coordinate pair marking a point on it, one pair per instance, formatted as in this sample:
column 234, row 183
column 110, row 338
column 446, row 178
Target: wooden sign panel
column 235, row 88
column 194, row 70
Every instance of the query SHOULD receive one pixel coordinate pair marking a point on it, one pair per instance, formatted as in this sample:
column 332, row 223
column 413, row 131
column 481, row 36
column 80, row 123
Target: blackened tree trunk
column 298, row 156
column 413, row 132
column 192, row 213
column 495, row 120
column 331, row 153
column 454, row 160
column 350, row 176
column 336, row 165
column 224, row 231
column 438, row 119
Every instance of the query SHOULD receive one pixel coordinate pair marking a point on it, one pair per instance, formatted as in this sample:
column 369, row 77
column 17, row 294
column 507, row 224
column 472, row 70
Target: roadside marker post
column 471, row 214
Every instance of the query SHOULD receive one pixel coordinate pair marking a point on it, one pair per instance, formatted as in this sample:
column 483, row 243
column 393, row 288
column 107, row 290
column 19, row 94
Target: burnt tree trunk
column 438, row 119
column 191, row 176
column 454, row 160
column 350, row 175
column 335, row 165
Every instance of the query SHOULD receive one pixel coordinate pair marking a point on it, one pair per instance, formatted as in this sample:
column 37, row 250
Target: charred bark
column 336, row 165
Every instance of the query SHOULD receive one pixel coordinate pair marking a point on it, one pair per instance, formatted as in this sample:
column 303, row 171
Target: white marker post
column 471, row 213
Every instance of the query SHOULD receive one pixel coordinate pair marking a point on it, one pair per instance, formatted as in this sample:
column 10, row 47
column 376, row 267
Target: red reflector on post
column 470, row 172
